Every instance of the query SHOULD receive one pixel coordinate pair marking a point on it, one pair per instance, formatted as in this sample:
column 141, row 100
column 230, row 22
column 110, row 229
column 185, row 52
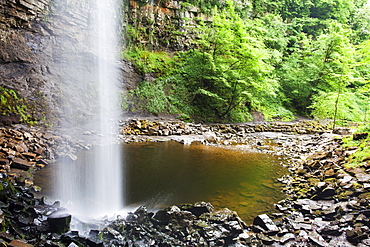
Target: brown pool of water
column 161, row 174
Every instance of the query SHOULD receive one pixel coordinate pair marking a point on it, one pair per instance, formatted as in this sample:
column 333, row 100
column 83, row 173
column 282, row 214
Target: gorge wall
column 26, row 52
column 162, row 25
column 40, row 38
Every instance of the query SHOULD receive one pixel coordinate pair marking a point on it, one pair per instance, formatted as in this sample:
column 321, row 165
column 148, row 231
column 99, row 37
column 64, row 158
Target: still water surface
column 160, row 174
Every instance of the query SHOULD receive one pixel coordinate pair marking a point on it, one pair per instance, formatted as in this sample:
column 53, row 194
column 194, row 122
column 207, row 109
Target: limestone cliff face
column 20, row 13
column 163, row 25
column 25, row 48
column 37, row 39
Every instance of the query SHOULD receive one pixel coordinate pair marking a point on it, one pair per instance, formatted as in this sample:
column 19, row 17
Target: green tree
column 339, row 106
column 326, row 64
column 360, row 23
column 228, row 74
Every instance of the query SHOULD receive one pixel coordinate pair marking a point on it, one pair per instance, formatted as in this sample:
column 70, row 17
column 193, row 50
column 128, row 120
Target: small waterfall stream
column 91, row 94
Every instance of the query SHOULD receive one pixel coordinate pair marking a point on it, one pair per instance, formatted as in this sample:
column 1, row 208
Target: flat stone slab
column 20, row 164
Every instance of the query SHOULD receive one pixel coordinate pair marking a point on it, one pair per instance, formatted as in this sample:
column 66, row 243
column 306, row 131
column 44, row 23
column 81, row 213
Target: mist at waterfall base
column 90, row 90
column 162, row 174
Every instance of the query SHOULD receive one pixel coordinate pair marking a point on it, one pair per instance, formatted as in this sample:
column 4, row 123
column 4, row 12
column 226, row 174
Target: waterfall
column 90, row 92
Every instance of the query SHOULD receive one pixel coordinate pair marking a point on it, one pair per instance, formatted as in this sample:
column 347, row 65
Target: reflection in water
column 167, row 173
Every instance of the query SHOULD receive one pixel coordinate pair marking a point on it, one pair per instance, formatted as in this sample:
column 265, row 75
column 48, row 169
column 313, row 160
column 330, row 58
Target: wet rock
column 19, row 243
column 286, row 238
column 327, row 194
column 333, row 230
column 111, row 233
column 94, row 242
column 59, row 222
column 211, row 137
column 264, row 221
column 215, row 232
column 4, row 162
column 20, row 164
column 72, row 245
column 162, row 217
column 355, row 235
column 302, row 226
column 363, row 177
column 265, row 239
column 200, row 208
column 30, row 156
column 359, row 136
column 342, row 131
column 317, row 239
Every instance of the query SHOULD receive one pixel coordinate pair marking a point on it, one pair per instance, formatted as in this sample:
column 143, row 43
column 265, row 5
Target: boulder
column 317, row 239
column 59, row 222
column 264, row 221
column 326, row 194
column 211, row 137
column 19, row 243
column 359, row 136
column 342, row 131
column 200, row 208
column 20, row 164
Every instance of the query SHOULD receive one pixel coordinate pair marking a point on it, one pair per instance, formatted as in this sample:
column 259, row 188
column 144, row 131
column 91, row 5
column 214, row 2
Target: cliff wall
column 38, row 40
column 26, row 51
column 163, row 25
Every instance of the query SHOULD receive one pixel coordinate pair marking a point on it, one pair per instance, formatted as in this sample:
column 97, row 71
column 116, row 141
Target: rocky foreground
column 327, row 201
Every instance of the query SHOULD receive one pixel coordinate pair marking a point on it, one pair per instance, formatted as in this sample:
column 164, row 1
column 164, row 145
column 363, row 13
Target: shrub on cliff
column 11, row 103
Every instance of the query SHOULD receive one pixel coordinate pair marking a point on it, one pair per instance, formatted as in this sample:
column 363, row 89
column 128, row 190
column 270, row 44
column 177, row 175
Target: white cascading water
column 90, row 92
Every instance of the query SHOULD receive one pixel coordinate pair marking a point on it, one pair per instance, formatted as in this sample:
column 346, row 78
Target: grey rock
column 317, row 239
column 287, row 237
column 264, row 221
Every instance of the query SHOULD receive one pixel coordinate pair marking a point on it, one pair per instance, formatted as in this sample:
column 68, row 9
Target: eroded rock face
column 25, row 52
column 38, row 40
column 19, row 13
column 166, row 23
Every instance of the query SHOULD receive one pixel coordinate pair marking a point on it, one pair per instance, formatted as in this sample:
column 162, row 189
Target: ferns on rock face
column 10, row 103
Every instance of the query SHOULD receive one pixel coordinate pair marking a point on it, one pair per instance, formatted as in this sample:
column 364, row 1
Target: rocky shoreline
column 327, row 202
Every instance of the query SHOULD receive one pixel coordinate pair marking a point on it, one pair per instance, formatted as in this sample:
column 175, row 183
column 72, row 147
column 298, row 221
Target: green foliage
column 350, row 106
column 153, row 95
column 208, row 6
column 307, row 57
column 363, row 152
column 146, row 61
column 326, row 64
column 363, row 66
column 363, row 128
column 10, row 103
column 361, row 23
column 277, row 112
column 228, row 74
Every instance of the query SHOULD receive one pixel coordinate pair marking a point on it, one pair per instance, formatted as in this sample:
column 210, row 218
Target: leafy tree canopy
column 279, row 57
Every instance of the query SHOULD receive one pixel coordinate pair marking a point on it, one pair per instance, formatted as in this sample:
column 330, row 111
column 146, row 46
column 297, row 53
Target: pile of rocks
column 327, row 203
column 185, row 225
column 26, row 221
column 24, row 150
column 166, row 128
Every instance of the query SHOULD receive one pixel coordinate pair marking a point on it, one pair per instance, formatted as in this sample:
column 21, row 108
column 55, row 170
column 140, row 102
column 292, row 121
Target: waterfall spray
column 90, row 92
